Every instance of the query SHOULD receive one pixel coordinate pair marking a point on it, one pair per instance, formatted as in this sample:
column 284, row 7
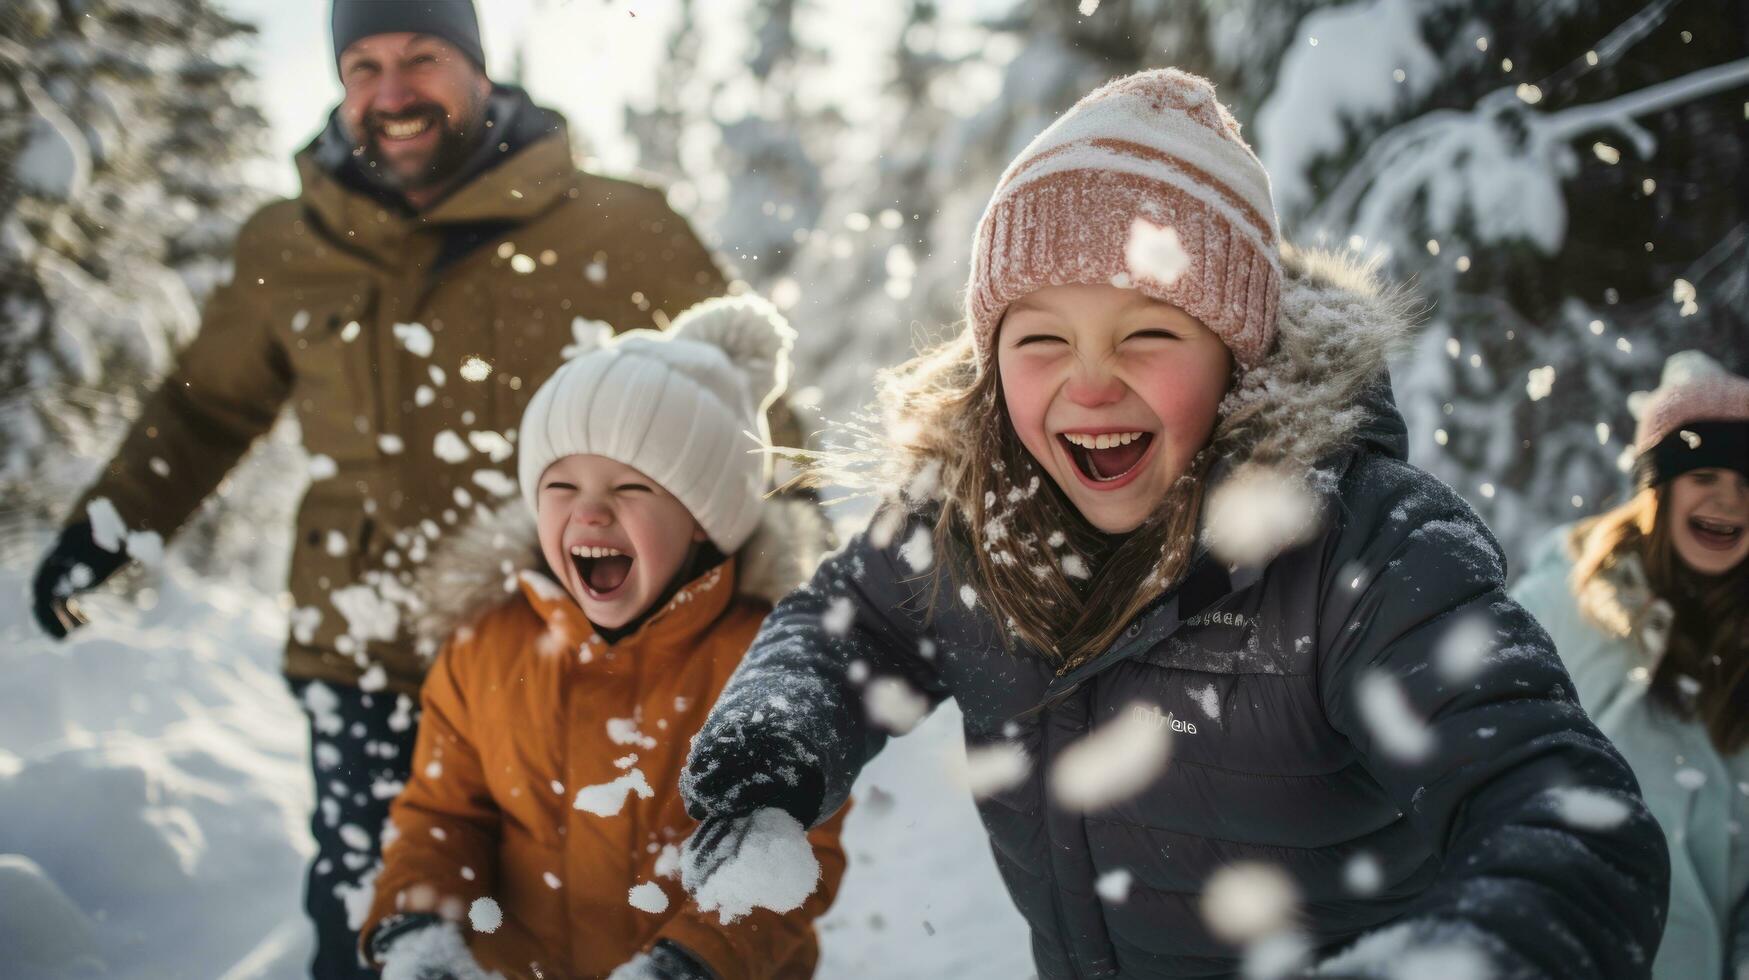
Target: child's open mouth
column 1107, row 457
column 1717, row 535
column 603, row 570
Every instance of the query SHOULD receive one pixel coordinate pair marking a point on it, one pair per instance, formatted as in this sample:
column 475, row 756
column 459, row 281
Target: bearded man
column 405, row 306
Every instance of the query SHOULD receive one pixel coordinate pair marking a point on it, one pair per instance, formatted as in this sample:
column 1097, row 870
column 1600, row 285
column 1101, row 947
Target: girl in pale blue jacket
column 1648, row 605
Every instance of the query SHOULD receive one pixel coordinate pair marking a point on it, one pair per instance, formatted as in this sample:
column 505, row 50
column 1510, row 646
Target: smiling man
column 406, row 305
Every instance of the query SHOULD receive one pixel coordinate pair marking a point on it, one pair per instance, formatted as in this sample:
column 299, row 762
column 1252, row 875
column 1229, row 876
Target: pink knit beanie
column 1697, row 417
column 1144, row 183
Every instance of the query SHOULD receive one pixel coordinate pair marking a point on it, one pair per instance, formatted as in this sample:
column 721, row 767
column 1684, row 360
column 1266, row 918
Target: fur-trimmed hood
column 477, row 567
column 1324, row 389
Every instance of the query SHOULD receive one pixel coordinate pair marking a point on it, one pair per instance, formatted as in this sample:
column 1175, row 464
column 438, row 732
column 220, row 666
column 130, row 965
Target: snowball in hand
column 771, row 866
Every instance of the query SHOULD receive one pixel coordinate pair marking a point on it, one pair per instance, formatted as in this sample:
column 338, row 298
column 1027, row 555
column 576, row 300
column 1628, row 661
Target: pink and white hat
column 1144, row 183
column 1697, row 418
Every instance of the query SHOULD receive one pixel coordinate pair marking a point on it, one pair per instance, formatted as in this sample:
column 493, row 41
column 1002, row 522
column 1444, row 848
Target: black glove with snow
column 666, row 960
column 743, row 770
column 57, row 579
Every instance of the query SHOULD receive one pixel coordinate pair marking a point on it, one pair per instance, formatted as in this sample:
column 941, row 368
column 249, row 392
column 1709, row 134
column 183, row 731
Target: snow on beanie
column 1144, row 183
column 1697, row 418
column 676, row 404
column 452, row 20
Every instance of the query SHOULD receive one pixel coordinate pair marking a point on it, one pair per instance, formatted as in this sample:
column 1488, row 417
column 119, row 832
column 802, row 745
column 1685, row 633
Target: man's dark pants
column 361, row 748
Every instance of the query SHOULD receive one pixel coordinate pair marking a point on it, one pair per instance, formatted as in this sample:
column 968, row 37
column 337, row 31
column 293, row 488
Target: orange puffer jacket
column 525, row 708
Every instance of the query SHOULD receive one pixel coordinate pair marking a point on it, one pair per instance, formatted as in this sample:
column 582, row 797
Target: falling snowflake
column 587, row 335
column 648, row 897
column 918, row 551
column 608, row 799
column 475, row 368
column 993, row 768
column 894, row 705
column 1258, row 513
column 1396, row 729
column 1113, row 762
column 1540, row 383
column 108, row 530
column 449, row 447
column 415, row 338
column 485, row 915
column 839, row 615
column 1247, row 901
column 1114, row 886
column 1583, row 808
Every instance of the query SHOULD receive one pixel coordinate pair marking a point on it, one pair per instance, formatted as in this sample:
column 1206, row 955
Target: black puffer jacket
column 1481, row 835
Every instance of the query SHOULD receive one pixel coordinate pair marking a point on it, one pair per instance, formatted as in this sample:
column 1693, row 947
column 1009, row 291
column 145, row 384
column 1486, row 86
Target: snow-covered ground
column 154, row 793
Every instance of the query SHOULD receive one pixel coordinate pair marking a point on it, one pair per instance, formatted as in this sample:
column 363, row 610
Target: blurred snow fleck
column 1584, row 808
column 992, row 768
column 1683, row 293
column 1363, row 874
column 839, row 615
column 1385, row 709
column 918, row 551
column 492, row 444
column 1247, row 901
column 415, row 338
column 1540, row 383
column 322, row 467
column 1114, row 761
column 108, row 530
column 969, row 596
column 1114, row 886
column 894, row 705
column 449, row 447
column 1258, row 513
column 1464, row 648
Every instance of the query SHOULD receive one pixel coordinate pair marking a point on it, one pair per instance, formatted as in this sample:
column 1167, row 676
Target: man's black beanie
column 452, row 20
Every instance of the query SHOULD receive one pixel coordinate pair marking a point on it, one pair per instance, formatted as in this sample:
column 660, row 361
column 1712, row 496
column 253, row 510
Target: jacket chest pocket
column 330, row 340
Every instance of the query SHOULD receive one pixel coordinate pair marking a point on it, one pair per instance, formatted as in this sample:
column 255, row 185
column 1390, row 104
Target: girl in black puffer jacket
column 1243, row 687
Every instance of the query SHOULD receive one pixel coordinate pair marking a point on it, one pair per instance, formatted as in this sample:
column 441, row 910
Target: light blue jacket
column 1699, row 797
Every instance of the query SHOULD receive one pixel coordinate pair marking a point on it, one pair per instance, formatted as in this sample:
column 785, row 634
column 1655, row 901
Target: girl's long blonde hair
column 1004, row 529
column 1706, row 638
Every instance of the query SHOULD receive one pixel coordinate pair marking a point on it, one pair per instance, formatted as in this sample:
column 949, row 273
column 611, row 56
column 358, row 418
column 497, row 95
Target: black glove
column 53, row 589
column 673, row 961
column 743, row 770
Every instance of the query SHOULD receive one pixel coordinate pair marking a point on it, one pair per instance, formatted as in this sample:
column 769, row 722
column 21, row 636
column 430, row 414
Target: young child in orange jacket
column 540, row 833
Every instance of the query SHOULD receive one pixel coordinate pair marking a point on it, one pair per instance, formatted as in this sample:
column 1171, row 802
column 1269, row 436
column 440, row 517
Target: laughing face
column 613, row 537
column 416, row 107
column 1112, row 393
column 1709, row 512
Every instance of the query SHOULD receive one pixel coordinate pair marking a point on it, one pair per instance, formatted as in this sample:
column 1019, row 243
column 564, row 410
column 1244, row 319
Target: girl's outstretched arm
column 1551, row 864
column 791, row 730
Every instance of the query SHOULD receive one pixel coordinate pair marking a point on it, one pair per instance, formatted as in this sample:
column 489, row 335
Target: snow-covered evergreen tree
column 125, row 127
column 1562, row 182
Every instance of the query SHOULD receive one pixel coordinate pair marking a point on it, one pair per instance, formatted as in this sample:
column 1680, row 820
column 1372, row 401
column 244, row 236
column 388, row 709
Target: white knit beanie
column 679, row 405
